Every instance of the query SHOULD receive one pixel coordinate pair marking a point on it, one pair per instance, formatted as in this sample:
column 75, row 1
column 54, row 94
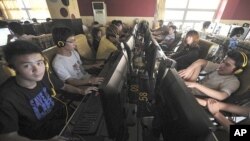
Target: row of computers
column 225, row 30
column 43, row 28
column 110, row 103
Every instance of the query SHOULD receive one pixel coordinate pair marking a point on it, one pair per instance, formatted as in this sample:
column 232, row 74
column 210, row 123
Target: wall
column 236, row 12
column 125, row 10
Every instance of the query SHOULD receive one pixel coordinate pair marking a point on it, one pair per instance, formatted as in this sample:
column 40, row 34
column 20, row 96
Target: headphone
column 244, row 64
column 46, row 64
column 60, row 43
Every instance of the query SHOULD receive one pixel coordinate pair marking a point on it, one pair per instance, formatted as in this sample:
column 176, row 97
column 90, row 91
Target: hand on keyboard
column 91, row 90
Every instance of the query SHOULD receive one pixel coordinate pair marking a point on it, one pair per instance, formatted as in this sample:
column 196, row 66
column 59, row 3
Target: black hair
column 34, row 20
column 206, row 24
column 48, row 19
column 245, row 25
column 237, row 57
column 3, row 24
column 112, row 31
column 237, row 30
column 61, row 34
column 95, row 31
column 116, row 22
column 16, row 28
column 18, row 48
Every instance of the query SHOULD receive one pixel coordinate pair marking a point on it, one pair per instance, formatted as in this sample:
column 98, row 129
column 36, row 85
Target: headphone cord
column 54, row 95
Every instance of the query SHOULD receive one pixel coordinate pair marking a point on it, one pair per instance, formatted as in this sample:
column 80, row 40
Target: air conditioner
column 100, row 12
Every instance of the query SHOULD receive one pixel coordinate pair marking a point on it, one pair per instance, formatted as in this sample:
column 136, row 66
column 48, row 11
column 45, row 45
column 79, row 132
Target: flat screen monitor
column 113, row 96
column 74, row 24
column 184, row 118
column 4, row 32
column 247, row 38
column 211, row 28
column 244, row 35
column 224, row 31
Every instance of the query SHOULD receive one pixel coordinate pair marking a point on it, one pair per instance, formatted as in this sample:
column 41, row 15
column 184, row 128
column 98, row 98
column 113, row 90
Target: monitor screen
column 211, row 28
column 247, row 38
column 4, row 32
column 113, row 95
column 184, row 118
column 246, row 32
column 74, row 24
column 224, row 30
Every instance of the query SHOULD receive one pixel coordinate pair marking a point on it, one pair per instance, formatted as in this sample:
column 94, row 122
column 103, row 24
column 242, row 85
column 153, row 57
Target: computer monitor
column 74, row 24
column 113, row 96
column 211, row 28
column 224, row 31
column 247, row 38
column 4, row 32
column 183, row 118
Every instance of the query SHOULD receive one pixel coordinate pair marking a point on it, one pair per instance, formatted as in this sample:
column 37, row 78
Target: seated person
column 18, row 32
column 188, row 51
column 220, row 82
column 29, row 109
column 205, row 26
column 234, row 36
column 169, row 39
column 96, row 36
column 67, row 63
column 216, row 107
column 160, row 33
column 108, row 43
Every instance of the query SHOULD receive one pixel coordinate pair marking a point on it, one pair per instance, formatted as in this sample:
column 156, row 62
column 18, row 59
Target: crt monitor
column 183, row 118
column 113, row 96
column 4, row 32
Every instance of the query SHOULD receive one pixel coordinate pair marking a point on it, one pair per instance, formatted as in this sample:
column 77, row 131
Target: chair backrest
column 207, row 48
column 5, row 72
column 241, row 94
column 105, row 48
column 50, row 53
column 83, row 47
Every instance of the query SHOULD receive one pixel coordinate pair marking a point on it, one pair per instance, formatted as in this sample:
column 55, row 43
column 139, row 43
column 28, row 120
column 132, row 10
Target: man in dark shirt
column 29, row 109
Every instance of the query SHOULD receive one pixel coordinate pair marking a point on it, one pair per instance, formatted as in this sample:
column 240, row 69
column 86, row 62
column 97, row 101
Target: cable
column 54, row 92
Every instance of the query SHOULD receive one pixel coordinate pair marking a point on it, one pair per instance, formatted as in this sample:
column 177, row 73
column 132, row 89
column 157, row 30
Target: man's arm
column 191, row 73
column 13, row 136
column 73, row 89
column 219, row 95
column 80, row 82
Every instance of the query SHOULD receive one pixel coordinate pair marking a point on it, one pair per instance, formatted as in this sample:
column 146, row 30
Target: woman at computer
column 188, row 51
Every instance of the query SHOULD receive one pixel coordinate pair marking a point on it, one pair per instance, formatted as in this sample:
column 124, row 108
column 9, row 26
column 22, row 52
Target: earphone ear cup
column 60, row 44
column 238, row 71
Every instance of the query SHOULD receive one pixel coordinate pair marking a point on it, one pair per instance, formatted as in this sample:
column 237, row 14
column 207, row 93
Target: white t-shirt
column 69, row 67
column 224, row 83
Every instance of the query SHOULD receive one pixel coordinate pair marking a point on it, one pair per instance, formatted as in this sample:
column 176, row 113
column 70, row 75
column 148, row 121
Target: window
column 26, row 9
column 187, row 14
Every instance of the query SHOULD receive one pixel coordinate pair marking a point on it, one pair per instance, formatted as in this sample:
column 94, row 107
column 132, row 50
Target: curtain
column 159, row 12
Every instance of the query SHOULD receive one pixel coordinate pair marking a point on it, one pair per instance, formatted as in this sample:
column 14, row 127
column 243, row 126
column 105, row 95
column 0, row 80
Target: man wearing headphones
column 29, row 109
column 67, row 63
column 221, row 81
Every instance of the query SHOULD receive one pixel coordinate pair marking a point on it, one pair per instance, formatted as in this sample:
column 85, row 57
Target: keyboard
column 86, row 119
